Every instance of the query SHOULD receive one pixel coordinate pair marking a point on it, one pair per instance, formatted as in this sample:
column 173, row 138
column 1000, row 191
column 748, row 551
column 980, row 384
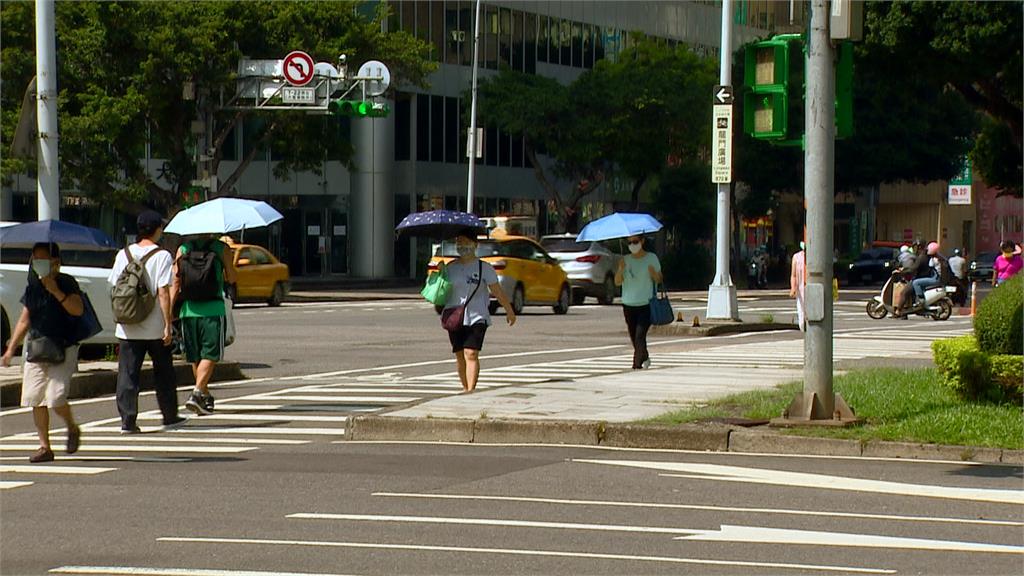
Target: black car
column 982, row 266
column 874, row 265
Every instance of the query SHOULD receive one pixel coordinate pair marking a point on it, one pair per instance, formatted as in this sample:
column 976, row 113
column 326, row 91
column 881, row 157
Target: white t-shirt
column 464, row 278
column 159, row 270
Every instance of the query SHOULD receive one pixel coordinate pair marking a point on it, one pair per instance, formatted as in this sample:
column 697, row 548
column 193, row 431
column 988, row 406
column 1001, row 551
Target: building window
column 504, row 149
column 504, row 38
column 517, row 151
column 451, row 130
column 252, row 129
column 491, row 146
column 423, row 22
column 518, row 30
column 490, row 25
column 437, row 128
column 422, row 127
column 565, row 42
column 543, row 35
column 530, row 53
column 403, row 124
column 229, row 149
column 598, row 44
column 437, row 29
column 577, row 45
column 407, row 16
column 588, row 46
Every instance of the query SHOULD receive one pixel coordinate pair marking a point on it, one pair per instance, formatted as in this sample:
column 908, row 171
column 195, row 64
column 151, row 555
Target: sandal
column 41, row 455
column 74, row 439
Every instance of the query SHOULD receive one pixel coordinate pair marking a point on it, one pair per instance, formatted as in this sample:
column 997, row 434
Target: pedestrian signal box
column 773, row 77
column 359, row 108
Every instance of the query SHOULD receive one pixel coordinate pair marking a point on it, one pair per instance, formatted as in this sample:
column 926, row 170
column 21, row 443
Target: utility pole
column 471, row 146
column 818, row 405
column 48, row 181
column 722, row 292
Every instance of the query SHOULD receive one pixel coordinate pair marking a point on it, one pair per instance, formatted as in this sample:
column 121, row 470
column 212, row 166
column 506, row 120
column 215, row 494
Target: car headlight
column 851, row 266
column 887, row 264
column 974, row 265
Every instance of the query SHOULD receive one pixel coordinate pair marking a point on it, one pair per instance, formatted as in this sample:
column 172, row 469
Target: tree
column 975, row 48
column 123, row 68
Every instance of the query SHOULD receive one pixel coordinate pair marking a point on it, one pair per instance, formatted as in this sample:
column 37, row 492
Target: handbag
column 438, row 286
column 41, row 349
column 661, row 307
column 229, row 322
column 452, row 318
column 88, row 324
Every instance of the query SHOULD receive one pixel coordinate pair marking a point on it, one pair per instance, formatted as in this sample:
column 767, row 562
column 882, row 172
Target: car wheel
column 608, row 296
column 876, row 309
column 578, row 296
column 518, row 300
column 277, row 296
column 562, row 306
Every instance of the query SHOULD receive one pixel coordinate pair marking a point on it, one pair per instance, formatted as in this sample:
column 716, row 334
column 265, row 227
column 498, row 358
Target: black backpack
column 197, row 274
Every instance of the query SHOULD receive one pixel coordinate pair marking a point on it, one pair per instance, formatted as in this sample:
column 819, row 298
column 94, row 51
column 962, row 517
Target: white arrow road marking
column 523, row 552
column 805, row 480
column 760, row 535
column 140, row 571
column 668, row 506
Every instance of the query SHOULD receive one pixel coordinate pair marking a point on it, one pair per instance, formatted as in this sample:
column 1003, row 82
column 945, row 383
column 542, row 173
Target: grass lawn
column 903, row 405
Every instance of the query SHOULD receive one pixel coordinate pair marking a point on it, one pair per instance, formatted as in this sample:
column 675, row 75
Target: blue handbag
column 88, row 324
column 661, row 308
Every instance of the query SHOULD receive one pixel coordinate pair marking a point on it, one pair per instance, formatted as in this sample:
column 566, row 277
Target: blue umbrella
column 69, row 236
column 223, row 215
column 618, row 225
column 441, row 224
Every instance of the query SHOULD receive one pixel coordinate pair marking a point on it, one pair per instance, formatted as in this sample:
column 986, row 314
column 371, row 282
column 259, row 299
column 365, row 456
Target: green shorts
column 204, row 338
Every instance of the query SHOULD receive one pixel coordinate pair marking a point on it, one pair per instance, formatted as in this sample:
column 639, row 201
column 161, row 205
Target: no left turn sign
column 297, row 68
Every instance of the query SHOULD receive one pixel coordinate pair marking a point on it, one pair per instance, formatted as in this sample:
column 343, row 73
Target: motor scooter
column 937, row 304
column 757, row 277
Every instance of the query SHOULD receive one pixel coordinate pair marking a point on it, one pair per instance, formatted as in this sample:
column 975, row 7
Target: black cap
column 150, row 219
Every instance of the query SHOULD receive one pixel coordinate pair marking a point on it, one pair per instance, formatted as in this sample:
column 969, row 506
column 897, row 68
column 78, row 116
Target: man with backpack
column 141, row 301
column 202, row 267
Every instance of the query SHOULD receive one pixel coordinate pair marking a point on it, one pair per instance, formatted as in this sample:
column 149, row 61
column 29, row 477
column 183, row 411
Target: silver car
column 589, row 265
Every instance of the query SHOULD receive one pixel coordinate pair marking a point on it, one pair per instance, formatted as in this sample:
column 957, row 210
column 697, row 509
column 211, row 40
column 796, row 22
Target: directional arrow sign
column 723, row 95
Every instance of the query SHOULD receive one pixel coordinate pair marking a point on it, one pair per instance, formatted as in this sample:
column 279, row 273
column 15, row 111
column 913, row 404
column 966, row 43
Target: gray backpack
column 131, row 298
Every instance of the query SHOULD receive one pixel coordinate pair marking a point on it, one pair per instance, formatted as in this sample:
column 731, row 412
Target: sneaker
column 74, row 439
column 178, row 422
column 197, row 404
column 41, row 455
column 132, row 430
column 646, row 364
column 208, row 402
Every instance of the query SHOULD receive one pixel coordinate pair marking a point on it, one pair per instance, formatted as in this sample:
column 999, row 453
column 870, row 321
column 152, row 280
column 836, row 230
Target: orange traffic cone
column 974, row 297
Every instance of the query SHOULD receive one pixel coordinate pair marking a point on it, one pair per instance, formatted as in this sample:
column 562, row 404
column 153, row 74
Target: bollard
column 974, row 297
column 696, row 321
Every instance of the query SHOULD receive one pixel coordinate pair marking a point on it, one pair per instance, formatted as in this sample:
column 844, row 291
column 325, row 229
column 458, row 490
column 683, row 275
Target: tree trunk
column 635, row 198
column 228, row 184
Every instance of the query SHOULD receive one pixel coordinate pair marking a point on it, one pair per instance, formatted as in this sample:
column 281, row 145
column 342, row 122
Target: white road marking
column 494, row 522
column 72, row 470
column 10, row 485
column 760, row 535
column 200, row 429
column 145, row 571
column 80, row 457
column 346, row 399
column 667, row 506
column 525, row 552
column 257, row 417
column 136, row 448
column 150, row 438
column 391, row 390
column 804, row 480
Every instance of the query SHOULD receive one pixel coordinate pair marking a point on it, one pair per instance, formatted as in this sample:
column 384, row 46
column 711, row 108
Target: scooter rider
column 958, row 269
column 918, row 269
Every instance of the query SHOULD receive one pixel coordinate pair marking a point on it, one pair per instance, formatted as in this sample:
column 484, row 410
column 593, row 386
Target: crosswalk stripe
column 393, row 390
column 147, row 438
column 244, row 430
column 72, row 470
column 348, row 399
column 136, row 448
column 260, row 417
column 147, row 571
column 10, row 484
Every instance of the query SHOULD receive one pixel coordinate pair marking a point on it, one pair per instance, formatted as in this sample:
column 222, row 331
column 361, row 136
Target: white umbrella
column 223, row 215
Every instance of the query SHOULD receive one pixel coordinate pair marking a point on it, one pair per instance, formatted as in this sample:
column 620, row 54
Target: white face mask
column 41, row 266
column 635, row 248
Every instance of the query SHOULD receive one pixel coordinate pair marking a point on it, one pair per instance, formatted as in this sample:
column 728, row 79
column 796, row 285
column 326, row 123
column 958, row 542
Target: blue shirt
column 637, row 284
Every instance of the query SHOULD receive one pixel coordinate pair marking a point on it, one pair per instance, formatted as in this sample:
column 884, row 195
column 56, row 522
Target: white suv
column 91, row 279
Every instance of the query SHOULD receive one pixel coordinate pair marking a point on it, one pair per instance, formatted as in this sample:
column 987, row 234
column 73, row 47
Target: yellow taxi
column 526, row 272
column 260, row 276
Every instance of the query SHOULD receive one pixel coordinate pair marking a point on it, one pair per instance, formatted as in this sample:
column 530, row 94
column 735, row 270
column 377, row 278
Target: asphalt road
column 350, row 508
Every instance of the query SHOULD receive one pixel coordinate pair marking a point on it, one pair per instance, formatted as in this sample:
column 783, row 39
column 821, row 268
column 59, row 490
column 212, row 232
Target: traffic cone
column 974, row 297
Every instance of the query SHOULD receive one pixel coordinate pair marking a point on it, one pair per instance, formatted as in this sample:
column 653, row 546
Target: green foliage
column 688, row 267
column 122, row 67
column 1008, row 374
column 964, row 368
column 1000, row 319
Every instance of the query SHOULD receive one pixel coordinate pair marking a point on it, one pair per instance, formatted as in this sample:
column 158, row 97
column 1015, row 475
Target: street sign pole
column 48, row 180
column 722, row 292
column 472, row 145
column 817, row 404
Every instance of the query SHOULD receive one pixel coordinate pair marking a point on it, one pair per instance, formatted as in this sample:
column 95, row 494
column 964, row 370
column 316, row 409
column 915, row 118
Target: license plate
column 298, row 95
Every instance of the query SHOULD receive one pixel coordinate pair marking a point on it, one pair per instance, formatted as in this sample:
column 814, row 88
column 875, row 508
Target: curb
column 682, row 329
column 100, row 382
column 698, row 437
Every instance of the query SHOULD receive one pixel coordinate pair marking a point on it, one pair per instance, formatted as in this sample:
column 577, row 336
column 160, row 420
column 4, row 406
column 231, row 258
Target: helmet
column 933, row 248
column 904, row 249
column 957, row 252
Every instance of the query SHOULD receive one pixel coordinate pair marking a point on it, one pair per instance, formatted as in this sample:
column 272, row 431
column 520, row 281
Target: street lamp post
column 471, row 145
column 48, row 181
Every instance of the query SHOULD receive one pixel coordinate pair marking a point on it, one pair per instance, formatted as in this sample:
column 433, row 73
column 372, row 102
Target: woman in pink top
column 796, row 284
column 1007, row 264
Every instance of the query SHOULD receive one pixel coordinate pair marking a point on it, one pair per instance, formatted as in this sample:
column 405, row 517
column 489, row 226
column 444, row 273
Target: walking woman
column 472, row 281
column 52, row 303
column 638, row 274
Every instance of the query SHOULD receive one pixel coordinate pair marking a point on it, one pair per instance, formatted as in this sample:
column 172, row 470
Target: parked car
column 526, row 272
column 260, row 276
column 983, row 266
column 90, row 268
column 874, row 265
column 589, row 265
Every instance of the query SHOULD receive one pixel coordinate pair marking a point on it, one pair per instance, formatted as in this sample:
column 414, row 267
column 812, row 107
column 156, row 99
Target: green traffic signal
column 359, row 108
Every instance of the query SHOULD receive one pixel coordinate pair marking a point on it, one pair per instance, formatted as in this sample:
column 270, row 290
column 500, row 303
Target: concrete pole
column 372, row 198
column 470, row 190
column 722, row 292
column 819, row 189
column 48, row 181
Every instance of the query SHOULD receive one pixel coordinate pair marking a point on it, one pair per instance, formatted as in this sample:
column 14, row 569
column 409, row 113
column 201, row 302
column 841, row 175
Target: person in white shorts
column 52, row 303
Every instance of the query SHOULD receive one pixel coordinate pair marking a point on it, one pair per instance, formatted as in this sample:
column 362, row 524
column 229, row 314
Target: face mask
column 41, row 267
column 635, row 248
column 465, row 249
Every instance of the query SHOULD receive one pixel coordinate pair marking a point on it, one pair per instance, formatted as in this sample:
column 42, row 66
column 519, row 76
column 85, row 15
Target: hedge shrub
column 974, row 375
column 999, row 322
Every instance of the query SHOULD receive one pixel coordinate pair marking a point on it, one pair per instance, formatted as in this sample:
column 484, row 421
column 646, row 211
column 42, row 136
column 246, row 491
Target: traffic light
column 191, row 196
column 773, row 78
column 359, row 108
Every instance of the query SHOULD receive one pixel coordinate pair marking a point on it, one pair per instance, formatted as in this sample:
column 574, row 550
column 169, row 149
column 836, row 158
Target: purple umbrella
column 441, row 224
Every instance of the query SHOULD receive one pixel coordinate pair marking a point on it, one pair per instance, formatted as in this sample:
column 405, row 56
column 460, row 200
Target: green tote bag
column 437, row 287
